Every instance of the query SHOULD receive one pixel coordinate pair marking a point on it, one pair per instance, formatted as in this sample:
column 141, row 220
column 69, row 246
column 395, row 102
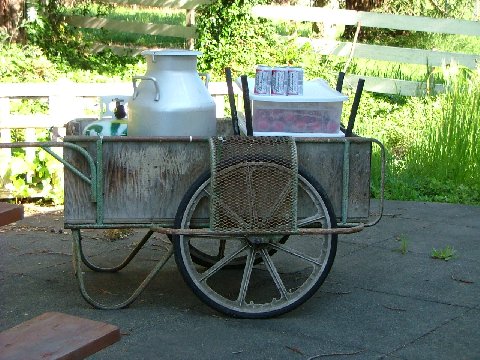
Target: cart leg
column 289, row 273
column 77, row 257
column 77, row 235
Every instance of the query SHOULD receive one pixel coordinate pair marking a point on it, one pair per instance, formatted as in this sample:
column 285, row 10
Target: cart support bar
column 304, row 231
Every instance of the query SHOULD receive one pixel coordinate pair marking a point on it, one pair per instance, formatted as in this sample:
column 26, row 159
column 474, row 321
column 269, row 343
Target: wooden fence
column 330, row 47
column 187, row 32
column 65, row 101
column 377, row 52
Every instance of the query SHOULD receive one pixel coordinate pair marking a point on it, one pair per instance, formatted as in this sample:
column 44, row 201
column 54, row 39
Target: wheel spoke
column 310, row 220
column 247, row 272
column 296, row 253
column 224, row 261
column 222, row 269
column 275, row 275
column 221, row 249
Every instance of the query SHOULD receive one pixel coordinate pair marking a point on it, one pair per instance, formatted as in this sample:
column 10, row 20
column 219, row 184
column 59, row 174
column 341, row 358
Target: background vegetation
column 432, row 141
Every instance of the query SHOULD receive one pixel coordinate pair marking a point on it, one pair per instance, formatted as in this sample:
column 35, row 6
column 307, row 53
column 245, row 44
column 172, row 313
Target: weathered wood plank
column 368, row 19
column 144, row 187
column 391, row 53
column 147, row 185
column 91, row 22
column 31, row 121
column 174, row 4
column 45, row 90
column 392, row 86
column 10, row 213
column 54, row 335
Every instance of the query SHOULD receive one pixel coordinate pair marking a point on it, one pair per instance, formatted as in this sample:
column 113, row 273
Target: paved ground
column 377, row 302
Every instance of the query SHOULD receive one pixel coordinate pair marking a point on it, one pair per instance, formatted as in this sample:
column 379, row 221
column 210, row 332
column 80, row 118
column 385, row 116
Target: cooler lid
column 316, row 90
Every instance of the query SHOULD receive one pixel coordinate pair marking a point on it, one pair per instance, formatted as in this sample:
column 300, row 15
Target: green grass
column 138, row 14
column 432, row 142
column 403, row 247
column 446, row 254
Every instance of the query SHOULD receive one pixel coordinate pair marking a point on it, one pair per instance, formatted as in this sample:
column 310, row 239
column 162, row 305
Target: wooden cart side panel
column 78, row 205
column 359, row 182
column 325, row 162
column 143, row 182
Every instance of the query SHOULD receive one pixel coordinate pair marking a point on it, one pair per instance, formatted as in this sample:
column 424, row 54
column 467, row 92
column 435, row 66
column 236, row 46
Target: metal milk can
column 171, row 99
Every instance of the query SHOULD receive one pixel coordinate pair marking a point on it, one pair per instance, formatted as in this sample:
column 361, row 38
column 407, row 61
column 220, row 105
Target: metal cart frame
column 90, row 162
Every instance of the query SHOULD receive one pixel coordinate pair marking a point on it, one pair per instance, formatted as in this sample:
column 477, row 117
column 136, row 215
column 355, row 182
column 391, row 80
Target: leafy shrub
column 42, row 177
column 68, row 47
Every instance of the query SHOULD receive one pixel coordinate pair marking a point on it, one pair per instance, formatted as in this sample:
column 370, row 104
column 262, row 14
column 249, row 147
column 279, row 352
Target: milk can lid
column 170, row 52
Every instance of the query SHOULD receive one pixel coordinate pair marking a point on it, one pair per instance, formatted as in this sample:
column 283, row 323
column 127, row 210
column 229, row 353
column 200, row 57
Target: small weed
column 446, row 253
column 117, row 234
column 403, row 249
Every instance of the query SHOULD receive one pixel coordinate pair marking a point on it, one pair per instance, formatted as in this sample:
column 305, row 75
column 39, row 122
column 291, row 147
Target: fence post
column 63, row 109
column 190, row 21
column 30, row 136
column 5, row 136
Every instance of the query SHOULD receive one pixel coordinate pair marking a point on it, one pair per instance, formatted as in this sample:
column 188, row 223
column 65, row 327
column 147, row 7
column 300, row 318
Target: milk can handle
column 135, row 89
column 207, row 78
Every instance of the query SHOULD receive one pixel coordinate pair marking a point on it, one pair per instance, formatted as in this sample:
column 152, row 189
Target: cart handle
column 382, row 183
column 231, row 100
column 46, row 145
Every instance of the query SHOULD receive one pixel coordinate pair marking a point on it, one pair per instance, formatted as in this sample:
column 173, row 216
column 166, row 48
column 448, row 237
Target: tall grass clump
column 447, row 151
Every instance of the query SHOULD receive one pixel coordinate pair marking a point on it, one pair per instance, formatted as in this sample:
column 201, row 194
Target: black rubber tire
column 217, row 305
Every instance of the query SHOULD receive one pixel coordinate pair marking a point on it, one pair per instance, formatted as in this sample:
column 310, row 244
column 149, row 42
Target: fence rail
column 187, row 32
column 378, row 52
column 66, row 101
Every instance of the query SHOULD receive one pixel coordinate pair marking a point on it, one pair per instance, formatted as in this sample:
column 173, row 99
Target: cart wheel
column 210, row 251
column 241, row 278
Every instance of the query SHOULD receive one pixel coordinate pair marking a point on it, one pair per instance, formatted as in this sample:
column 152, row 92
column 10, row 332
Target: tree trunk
column 360, row 5
column 325, row 29
column 363, row 5
column 11, row 16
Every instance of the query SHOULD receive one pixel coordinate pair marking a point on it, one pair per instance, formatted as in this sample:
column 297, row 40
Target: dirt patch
column 33, row 209
column 38, row 218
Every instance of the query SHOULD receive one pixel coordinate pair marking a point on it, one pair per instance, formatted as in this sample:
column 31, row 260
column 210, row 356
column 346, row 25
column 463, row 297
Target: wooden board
column 10, row 213
column 175, row 4
column 390, row 53
column 91, row 22
column 54, row 335
column 145, row 179
column 368, row 19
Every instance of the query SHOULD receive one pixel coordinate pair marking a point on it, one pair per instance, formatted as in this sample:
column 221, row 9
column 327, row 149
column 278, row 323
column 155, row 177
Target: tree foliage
column 228, row 35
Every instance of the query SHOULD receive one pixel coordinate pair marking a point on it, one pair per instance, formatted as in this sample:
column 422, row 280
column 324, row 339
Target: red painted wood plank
column 10, row 213
column 54, row 335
